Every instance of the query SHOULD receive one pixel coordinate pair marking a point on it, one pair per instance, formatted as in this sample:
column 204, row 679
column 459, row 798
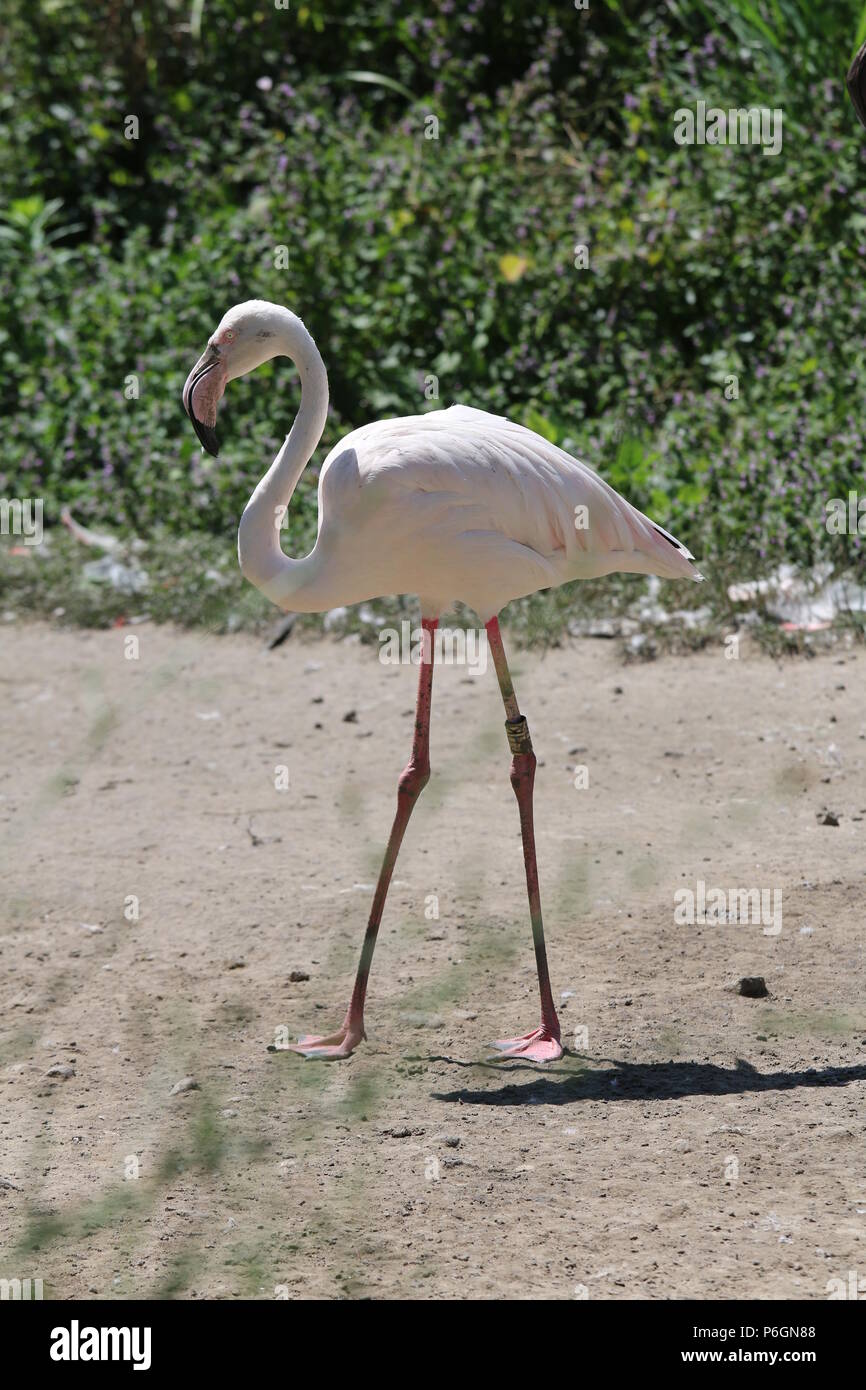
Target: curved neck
column 260, row 554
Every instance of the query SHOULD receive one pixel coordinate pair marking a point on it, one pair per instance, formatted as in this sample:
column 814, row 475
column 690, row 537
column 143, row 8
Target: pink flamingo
column 452, row 504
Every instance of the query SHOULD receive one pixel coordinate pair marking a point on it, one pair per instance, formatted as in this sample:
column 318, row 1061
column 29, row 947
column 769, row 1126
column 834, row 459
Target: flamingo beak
column 856, row 82
column 202, row 393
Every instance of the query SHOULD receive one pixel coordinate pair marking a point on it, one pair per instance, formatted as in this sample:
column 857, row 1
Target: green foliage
column 454, row 257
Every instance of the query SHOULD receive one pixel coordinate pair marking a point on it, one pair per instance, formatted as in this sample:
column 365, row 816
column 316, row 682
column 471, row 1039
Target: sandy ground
column 158, row 892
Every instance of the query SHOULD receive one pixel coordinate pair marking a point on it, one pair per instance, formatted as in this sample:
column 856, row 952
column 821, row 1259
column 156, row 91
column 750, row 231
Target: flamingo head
column 246, row 337
column 856, row 81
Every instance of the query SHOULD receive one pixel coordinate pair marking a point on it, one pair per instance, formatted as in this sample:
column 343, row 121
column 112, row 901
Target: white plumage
column 453, row 504
column 460, row 504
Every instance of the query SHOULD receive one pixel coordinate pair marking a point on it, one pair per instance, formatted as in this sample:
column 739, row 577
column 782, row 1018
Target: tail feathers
column 681, row 549
column 660, row 553
column 677, row 545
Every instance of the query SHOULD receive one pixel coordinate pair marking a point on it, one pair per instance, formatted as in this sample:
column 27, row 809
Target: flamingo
column 452, row 504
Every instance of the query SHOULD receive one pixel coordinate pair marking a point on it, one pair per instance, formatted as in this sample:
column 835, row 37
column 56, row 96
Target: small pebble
column 753, row 987
column 186, row 1083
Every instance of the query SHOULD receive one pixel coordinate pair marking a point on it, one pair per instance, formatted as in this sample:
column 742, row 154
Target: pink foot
column 540, row 1046
column 331, row 1047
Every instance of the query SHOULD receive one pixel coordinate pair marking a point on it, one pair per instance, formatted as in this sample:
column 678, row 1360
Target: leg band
column 518, row 735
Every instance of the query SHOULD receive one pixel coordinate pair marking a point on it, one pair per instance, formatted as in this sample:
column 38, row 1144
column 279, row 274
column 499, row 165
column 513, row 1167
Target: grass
column 196, row 583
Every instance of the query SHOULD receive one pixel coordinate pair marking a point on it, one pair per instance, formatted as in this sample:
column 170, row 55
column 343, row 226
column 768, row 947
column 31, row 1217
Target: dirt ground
column 159, row 892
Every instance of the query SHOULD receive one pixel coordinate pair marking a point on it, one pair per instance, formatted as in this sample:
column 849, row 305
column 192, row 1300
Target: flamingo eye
column 228, row 335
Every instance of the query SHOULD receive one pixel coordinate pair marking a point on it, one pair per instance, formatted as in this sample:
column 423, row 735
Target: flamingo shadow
column 641, row 1081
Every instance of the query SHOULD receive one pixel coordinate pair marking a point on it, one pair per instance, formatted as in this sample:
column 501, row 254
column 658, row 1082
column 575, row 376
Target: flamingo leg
column 413, row 780
column 542, row 1044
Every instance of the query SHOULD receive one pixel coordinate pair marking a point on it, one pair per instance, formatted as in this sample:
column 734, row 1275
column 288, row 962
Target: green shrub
column 412, row 257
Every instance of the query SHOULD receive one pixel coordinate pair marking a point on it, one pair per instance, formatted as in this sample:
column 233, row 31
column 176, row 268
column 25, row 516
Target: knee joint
column 413, row 780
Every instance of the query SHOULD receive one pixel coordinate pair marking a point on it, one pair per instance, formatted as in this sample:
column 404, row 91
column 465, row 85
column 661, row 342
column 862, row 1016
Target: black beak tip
column 207, row 435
